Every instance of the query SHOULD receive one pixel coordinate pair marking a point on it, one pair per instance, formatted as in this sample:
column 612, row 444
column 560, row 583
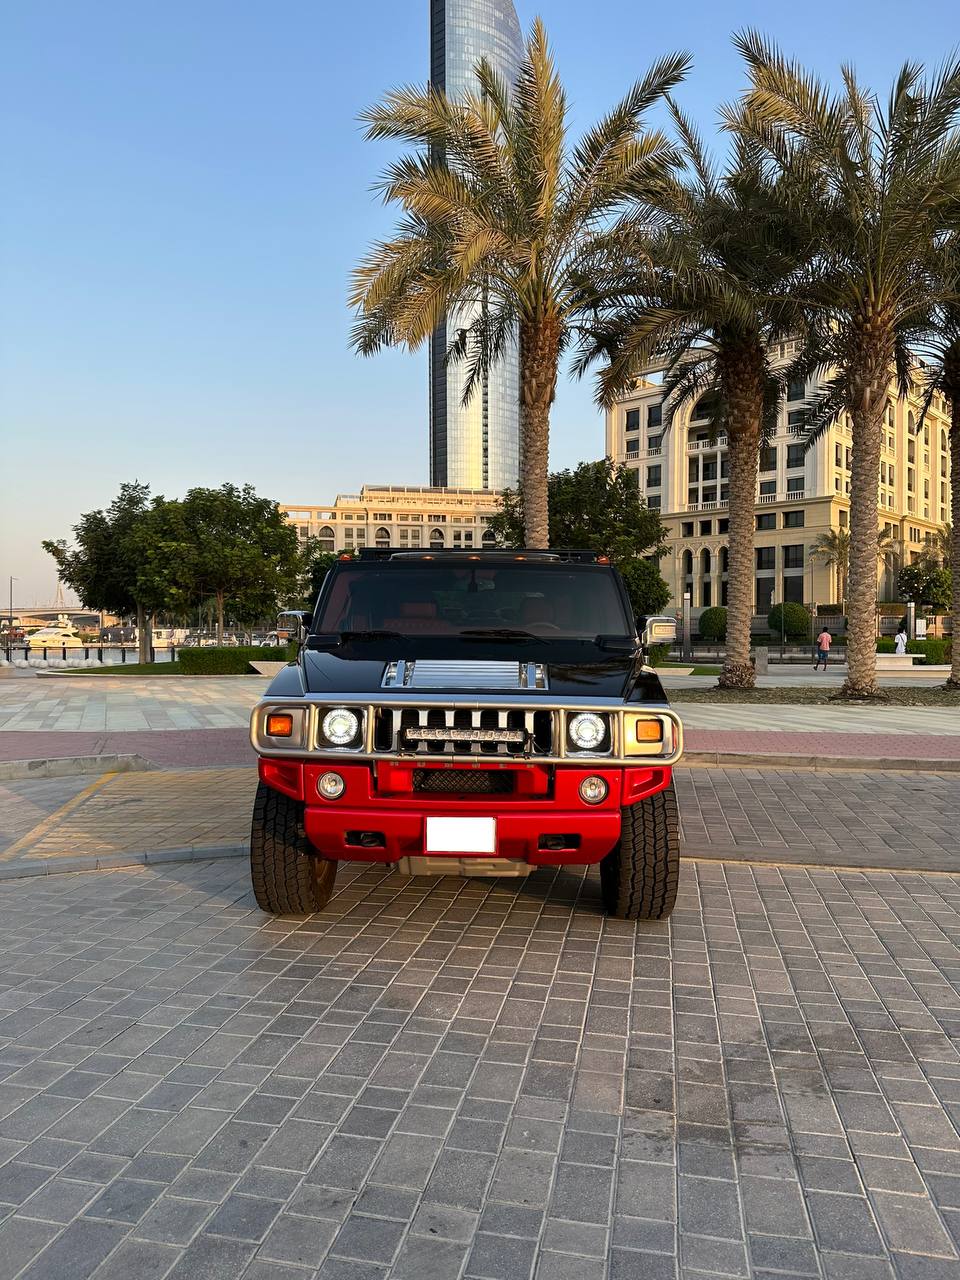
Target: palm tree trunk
column 951, row 369
column 869, row 385
column 742, row 376
column 144, row 634
column 539, row 356
column 219, row 617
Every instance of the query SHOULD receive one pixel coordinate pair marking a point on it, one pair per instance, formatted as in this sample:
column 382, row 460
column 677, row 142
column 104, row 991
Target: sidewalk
column 842, row 817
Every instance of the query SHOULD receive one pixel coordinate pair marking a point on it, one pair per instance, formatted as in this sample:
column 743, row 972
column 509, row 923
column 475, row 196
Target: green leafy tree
column 598, row 507
column 595, row 507
column 926, row 582
column 105, row 565
column 648, row 592
column 317, row 565
column 501, row 219
column 702, row 290
column 235, row 547
column 881, row 182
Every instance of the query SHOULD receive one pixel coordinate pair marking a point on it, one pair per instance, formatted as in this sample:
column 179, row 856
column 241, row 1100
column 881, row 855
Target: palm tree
column 499, row 216
column 833, row 548
column 881, row 181
column 701, row 292
column 942, row 352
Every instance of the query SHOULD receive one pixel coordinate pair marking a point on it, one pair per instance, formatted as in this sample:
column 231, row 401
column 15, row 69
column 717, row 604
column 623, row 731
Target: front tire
column 289, row 877
column 639, row 877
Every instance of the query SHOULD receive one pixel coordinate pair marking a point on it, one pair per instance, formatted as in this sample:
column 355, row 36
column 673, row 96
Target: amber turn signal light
column 279, row 726
column 648, row 731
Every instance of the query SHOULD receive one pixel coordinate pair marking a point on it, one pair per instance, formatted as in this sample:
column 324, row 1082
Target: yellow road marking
column 51, row 820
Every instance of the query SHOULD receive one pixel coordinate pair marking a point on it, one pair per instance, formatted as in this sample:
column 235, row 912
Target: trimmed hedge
column 234, row 661
column 934, row 652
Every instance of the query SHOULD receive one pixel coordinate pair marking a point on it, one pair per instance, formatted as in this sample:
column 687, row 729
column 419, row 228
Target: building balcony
column 694, row 446
column 708, row 506
column 640, row 455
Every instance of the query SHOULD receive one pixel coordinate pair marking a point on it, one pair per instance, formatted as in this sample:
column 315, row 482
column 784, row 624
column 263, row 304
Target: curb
column 67, row 866
column 818, row 763
column 71, row 766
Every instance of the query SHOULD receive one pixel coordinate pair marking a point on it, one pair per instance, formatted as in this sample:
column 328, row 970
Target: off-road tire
column 289, row 877
column 639, row 877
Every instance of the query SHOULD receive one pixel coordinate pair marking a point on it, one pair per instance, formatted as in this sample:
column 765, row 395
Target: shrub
column 230, row 662
column 713, row 624
column 658, row 654
column 934, row 653
column 796, row 621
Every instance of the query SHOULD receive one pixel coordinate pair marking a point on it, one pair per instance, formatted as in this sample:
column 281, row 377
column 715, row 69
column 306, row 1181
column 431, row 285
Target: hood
column 553, row 672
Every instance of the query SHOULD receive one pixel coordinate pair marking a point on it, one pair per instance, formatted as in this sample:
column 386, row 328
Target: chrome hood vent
column 452, row 674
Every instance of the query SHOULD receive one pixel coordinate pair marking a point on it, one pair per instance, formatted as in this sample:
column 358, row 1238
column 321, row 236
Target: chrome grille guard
column 372, row 713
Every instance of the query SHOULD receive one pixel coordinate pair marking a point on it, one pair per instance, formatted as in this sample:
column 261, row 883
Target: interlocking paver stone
column 473, row 1079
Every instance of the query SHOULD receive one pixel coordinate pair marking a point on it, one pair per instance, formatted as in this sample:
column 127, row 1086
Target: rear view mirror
column 659, row 630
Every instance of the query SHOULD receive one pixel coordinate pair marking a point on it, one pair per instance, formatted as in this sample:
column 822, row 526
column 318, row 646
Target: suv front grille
column 485, row 782
column 512, row 732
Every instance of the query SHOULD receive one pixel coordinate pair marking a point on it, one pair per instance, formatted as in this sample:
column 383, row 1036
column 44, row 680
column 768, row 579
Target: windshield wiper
column 372, row 635
column 497, row 633
column 616, row 643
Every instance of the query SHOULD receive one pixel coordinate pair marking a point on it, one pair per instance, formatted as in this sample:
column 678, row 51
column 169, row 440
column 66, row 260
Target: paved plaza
column 843, row 817
column 445, row 1079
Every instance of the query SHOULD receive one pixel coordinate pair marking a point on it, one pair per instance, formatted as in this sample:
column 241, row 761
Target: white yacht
column 57, row 635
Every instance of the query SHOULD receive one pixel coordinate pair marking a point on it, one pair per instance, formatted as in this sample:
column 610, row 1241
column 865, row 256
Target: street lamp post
column 10, row 623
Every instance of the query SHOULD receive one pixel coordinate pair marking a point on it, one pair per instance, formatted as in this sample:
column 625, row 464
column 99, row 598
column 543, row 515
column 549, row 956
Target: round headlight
column 331, row 786
column 593, row 790
column 587, row 731
column 340, row 726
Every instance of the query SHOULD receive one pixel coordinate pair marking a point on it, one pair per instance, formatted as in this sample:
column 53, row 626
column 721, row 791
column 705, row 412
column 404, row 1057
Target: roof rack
column 556, row 554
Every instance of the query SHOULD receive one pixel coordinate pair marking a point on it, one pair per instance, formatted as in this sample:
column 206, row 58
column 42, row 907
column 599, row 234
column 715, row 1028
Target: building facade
column 402, row 516
column 476, row 446
column 801, row 493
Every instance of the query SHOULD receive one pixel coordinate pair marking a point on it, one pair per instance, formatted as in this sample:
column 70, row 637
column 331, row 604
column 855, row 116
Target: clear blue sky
column 184, row 192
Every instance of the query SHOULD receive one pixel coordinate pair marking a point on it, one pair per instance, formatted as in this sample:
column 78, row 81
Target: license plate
column 461, row 835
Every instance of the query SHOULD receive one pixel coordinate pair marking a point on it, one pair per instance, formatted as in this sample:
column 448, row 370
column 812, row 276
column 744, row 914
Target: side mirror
column 303, row 617
column 658, row 630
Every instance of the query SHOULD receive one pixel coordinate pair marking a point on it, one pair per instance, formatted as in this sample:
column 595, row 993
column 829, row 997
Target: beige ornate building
column 800, row 493
column 403, row 516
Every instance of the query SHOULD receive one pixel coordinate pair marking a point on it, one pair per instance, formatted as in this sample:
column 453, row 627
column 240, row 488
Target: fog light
column 331, row 786
column 593, row 790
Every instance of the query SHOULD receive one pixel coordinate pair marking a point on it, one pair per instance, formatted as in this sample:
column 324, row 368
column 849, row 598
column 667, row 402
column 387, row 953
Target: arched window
column 943, row 441
column 706, row 406
column 911, row 425
column 328, row 541
column 706, row 586
column 436, row 538
column 383, row 537
column 705, row 561
column 489, row 538
column 888, row 416
column 724, row 559
column 688, row 564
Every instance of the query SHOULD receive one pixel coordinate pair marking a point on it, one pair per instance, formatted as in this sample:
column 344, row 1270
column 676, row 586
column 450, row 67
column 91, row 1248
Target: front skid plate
column 447, row 866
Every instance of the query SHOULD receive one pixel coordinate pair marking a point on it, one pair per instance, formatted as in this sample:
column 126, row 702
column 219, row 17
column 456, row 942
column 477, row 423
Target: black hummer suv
column 473, row 714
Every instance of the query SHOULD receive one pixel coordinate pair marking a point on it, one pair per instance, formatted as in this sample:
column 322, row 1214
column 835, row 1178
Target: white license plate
column 461, row 835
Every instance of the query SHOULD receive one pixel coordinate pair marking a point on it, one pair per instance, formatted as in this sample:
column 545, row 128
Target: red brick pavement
column 194, row 748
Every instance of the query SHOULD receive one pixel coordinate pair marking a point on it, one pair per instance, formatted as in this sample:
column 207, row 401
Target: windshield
column 502, row 601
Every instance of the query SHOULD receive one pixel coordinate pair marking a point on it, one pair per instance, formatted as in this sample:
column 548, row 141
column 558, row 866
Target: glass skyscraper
column 477, row 446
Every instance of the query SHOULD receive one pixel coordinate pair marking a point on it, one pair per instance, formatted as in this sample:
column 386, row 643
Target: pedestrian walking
column 900, row 644
column 824, row 641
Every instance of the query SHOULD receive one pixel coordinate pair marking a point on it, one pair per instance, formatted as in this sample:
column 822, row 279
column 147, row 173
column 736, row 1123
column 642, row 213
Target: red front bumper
column 542, row 820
